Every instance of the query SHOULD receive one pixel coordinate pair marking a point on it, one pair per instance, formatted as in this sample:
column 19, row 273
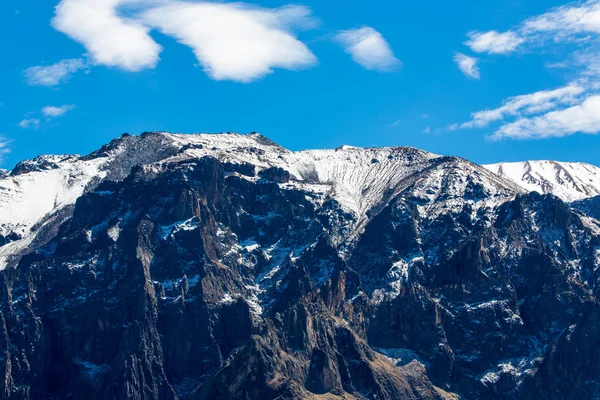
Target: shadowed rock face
column 589, row 206
column 206, row 279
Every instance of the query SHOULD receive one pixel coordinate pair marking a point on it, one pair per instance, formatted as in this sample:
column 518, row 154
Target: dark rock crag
column 205, row 279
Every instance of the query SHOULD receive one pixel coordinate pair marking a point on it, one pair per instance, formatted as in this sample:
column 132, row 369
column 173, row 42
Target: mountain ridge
column 358, row 178
column 571, row 181
column 215, row 267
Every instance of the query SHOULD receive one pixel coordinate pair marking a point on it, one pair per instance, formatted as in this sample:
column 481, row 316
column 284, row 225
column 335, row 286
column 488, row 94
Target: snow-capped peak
column 359, row 179
column 568, row 181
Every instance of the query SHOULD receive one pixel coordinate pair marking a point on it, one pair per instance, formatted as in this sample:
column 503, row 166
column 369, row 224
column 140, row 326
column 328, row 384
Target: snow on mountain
column 356, row 177
column 568, row 181
column 37, row 189
column 310, row 257
column 27, row 197
column 359, row 179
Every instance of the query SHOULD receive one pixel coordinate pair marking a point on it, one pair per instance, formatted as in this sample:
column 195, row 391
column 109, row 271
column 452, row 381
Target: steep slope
column 569, row 181
column 357, row 179
column 227, row 267
column 589, row 206
column 37, row 195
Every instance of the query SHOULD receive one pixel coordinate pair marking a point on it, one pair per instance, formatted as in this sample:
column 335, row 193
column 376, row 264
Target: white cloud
column 48, row 112
column 571, row 23
column 427, row 130
column 52, row 111
column 582, row 118
column 369, row 49
column 235, row 41
column 393, row 124
column 549, row 113
column 574, row 19
column 110, row 38
column 4, row 148
column 529, row 104
column 55, row 74
column 468, row 65
column 232, row 41
column 30, row 123
column 493, row 42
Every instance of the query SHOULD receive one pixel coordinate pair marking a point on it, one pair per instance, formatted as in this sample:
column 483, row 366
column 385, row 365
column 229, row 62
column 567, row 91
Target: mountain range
column 171, row 266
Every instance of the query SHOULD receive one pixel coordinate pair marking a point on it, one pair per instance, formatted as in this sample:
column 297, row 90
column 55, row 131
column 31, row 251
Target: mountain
column 569, row 181
column 167, row 266
column 589, row 206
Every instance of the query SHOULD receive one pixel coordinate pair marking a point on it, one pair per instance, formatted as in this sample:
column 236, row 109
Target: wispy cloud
column 577, row 18
column 493, row 42
column 369, row 49
column 568, row 23
column 52, row 75
column 582, row 118
column 554, row 112
column 4, row 148
column 529, row 104
column 393, row 124
column 236, row 41
column 30, row 123
column 53, row 112
column 468, row 65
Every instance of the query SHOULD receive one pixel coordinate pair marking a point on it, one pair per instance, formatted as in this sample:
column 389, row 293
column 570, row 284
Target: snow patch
column 569, row 181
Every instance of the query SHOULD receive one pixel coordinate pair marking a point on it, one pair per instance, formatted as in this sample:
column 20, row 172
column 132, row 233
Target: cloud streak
column 493, row 42
column 53, row 112
column 571, row 23
column 468, row 65
column 30, row 123
column 582, row 118
column 368, row 48
column 567, row 110
column 529, row 104
column 53, row 75
column 46, row 113
column 4, row 148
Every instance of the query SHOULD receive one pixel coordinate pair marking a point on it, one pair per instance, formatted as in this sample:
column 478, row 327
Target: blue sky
column 501, row 80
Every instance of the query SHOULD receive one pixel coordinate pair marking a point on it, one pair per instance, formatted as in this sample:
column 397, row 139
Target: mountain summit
column 169, row 266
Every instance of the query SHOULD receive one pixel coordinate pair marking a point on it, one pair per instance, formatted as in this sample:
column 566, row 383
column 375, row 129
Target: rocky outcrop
column 589, row 206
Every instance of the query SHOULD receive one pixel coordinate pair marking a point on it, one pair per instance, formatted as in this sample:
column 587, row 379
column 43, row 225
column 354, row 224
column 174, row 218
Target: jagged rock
column 226, row 267
column 275, row 174
column 589, row 206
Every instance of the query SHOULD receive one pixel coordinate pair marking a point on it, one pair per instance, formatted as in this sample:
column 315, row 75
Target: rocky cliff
column 227, row 267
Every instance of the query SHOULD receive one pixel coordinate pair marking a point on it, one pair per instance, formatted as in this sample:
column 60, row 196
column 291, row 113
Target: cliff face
column 207, row 270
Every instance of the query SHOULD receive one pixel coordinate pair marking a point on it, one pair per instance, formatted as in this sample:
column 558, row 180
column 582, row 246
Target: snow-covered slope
column 358, row 179
column 27, row 197
column 568, row 181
